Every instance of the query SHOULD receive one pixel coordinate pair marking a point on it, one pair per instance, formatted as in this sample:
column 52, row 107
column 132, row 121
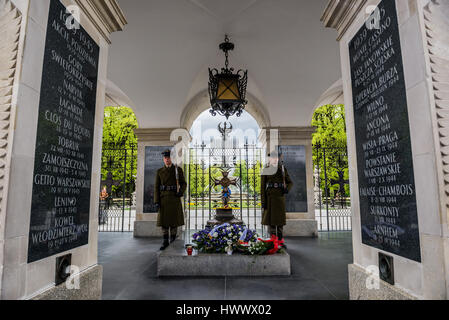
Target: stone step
column 174, row 261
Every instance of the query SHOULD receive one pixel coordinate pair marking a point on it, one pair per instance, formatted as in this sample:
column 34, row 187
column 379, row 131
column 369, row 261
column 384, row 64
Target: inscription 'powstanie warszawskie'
column 384, row 157
column 63, row 157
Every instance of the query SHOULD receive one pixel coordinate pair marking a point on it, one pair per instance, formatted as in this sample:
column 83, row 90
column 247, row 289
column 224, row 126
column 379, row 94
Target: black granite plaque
column 63, row 156
column 384, row 157
column 295, row 162
column 153, row 162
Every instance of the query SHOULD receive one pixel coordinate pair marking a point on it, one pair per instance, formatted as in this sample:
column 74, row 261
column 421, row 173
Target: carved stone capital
column 106, row 15
column 339, row 14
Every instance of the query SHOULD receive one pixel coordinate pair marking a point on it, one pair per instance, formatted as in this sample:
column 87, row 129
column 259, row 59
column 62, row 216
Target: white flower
column 240, row 233
column 215, row 235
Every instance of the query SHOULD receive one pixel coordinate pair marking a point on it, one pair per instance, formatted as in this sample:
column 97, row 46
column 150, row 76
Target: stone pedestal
column 301, row 228
column 147, row 229
column 358, row 290
column 175, row 262
column 223, row 216
column 90, row 283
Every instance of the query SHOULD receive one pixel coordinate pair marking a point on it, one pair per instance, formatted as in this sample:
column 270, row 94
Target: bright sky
column 205, row 127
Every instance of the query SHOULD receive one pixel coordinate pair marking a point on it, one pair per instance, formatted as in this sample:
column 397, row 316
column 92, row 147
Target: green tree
column 118, row 127
column 119, row 140
column 330, row 139
column 250, row 176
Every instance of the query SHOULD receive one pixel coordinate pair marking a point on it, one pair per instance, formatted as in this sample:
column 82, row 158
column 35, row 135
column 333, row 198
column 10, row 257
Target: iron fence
column 117, row 194
column 205, row 165
column 332, row 197
column 203, row 197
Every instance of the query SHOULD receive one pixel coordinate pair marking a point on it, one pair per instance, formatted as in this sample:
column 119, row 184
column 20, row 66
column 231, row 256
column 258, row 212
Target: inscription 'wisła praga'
column 384, row 157
column 63, row 157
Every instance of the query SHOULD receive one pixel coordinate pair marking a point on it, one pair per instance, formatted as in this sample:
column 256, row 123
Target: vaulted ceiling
column 160, row 61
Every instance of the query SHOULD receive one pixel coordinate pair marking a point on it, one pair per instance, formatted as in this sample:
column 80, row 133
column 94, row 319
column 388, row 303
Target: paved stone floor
column 319, row 271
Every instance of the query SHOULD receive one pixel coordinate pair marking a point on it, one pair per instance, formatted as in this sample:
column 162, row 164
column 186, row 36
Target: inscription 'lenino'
column 63, row 157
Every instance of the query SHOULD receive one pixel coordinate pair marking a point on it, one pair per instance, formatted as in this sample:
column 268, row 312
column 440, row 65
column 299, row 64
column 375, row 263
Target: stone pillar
column 151, row 142
column 134, row 200
column 299, row 223
column 24, row 28
column 417, row 81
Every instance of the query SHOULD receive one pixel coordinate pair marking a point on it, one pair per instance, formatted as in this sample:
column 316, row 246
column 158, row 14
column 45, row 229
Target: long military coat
column 273, row 199
column 170, row 210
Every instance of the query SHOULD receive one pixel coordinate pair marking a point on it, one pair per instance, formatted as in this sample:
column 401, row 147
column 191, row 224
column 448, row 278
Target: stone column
column 24, row 28
column 147, row 139
column 299, row 223
column 421, row 264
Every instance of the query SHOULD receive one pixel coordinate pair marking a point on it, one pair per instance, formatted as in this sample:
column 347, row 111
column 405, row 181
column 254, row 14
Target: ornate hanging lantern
column 227, row 89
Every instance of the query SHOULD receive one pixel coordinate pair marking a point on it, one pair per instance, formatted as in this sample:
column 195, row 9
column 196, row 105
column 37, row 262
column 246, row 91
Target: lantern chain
column 226, row 53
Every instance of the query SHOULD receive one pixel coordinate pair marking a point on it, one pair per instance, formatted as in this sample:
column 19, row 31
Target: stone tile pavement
column 319, row 271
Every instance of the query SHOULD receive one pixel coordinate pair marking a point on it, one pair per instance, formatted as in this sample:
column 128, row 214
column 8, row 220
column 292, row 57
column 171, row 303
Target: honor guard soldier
column 169, row 188
column 275, row 184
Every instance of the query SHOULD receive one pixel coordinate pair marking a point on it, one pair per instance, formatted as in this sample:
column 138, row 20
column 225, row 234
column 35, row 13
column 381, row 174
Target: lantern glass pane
column 228, row 90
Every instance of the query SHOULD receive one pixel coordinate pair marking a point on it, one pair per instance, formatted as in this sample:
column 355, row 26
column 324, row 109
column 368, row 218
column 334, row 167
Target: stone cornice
column 106, row 15
column 288, row 135
column 339, row 14
column 154, row 135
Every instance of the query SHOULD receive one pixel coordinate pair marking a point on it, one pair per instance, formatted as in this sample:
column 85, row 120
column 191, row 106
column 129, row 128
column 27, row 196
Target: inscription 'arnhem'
column 384, row 157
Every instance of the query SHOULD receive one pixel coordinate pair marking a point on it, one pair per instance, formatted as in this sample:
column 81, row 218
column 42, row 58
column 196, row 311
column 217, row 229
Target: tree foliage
column 118, row 127
column 201, row 179
column 330, row 124
column 330, row 146
column 250, row 176
column 119, row 144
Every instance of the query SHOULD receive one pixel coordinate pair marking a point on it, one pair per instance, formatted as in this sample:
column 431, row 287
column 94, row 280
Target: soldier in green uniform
column 169, row 188
column 275, row 184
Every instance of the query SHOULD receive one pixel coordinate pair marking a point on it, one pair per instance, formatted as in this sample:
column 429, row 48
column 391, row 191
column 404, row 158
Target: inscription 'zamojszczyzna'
column 63, row 157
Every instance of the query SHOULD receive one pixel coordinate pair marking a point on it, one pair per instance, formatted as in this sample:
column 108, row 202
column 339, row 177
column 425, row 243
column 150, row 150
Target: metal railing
column 332, row 200
column 202, row 197
column 117, row 198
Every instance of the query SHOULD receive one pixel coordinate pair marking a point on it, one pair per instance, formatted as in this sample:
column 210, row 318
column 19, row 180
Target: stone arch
column 201, row 102
column 333, row 95
column 115, row 97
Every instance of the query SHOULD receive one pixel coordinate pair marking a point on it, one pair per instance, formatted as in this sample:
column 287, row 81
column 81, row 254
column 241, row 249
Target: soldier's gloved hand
column 285, row 190
column 156, row 206
column 180, row 194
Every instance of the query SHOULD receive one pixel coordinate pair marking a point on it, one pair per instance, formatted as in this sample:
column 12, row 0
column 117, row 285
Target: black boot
column 172, row 238
column 281, row 237
column 166, row 243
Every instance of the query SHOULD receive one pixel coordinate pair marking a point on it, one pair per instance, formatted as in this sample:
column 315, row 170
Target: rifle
column 177, row 178
column 283, row 172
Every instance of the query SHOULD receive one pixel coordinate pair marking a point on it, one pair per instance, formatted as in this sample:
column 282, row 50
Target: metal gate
column 205, row 166
column 117, row 211
column 332, row 198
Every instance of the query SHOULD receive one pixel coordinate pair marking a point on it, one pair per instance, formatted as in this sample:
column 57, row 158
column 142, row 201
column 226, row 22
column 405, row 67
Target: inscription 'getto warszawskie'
column 63, row 156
